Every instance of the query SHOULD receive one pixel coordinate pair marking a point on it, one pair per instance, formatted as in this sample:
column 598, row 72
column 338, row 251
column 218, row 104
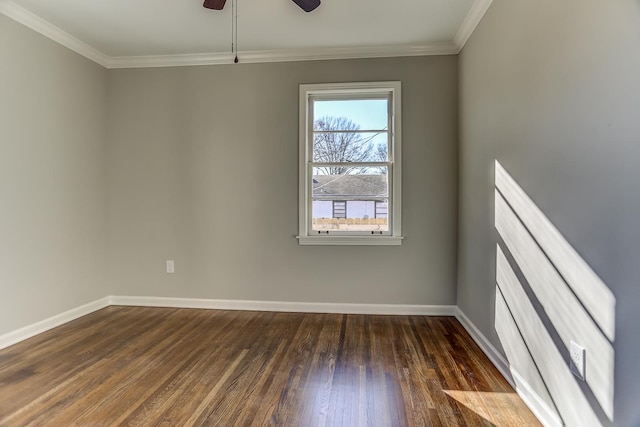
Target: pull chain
column 234, row 29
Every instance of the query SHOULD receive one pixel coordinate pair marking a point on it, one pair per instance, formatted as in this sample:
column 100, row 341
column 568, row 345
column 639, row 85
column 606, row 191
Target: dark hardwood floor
column 137, row 366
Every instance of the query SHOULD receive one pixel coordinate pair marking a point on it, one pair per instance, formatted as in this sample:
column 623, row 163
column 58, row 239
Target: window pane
column 354, row 200
column 365, row 114
column 382, row 208
column 335, row 147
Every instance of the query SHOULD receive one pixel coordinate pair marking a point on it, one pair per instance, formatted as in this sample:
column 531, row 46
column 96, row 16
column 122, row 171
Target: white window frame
column 306, row 235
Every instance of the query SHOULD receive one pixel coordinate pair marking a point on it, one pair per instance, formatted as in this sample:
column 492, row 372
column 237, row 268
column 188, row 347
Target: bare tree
column 337, row 140
column 381, row 155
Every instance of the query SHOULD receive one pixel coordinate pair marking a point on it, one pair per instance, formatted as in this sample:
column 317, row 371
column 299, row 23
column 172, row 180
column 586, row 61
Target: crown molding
column 283, row 55
column 39, row 25
column 471, row 21
column 152, row 61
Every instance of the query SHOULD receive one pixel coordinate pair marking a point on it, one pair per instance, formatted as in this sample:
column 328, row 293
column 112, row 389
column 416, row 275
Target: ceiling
column 126, row 33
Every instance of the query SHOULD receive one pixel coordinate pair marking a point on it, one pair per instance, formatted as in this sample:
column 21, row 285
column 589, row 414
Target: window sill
column 350, row 240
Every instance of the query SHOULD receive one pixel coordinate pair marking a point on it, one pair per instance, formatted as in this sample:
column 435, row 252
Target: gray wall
column 552, row 90
column 52, row 178
column 203, row 169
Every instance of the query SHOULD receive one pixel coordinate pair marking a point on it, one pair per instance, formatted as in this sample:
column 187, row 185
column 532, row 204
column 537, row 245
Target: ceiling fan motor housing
column 214, row 4
column 307, row 5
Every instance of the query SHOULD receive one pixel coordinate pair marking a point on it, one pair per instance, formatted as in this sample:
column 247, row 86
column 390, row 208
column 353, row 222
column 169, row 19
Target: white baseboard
column 492, row 353
column 29, row 331
column 287, row 306
column 539, row 408
column 537, row 405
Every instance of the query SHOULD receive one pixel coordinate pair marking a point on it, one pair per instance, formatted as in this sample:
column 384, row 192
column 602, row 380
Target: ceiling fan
column 306, row 5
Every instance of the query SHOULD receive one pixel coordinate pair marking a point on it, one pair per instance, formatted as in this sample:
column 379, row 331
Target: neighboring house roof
column 337, row 187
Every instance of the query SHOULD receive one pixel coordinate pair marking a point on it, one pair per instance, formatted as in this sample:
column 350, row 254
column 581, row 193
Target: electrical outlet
column 577, row 363
column 171, row 267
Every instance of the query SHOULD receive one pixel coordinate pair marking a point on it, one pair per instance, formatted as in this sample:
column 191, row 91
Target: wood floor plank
column 134, row 366
column 210, row 361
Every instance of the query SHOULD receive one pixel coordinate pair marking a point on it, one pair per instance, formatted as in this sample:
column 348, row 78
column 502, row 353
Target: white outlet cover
column 171, row 268
column 577, row 355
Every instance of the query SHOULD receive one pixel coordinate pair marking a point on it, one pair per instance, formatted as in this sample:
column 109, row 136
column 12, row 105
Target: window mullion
column 352, row 131
column 350, row 164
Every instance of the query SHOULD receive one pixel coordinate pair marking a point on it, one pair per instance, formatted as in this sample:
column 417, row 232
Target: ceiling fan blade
column 214, row 4
column 307, row 5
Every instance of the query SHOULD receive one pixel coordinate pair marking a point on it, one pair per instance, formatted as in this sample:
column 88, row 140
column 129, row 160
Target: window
column 339, row 209
column 350, row 164
column 381, row 209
